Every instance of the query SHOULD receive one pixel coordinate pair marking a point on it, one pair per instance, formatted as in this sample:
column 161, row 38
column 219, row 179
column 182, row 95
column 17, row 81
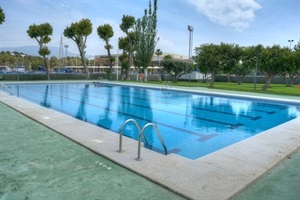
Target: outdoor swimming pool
column 191, row 124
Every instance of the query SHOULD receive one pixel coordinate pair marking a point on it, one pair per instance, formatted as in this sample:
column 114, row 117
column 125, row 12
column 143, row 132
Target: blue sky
column 243, row 22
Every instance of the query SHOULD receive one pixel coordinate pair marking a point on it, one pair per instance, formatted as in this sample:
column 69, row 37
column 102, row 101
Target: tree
column 213, row 59
column 158, row 52
column 168, row 56
column 123, row 59
column 41, row 33
column 53, row 61
column 291, row 65
column 78, row 32
column 208, row 60
column 106, row 32
column 127, row 26
column 177, row 67
column 244, row 63
column 270, row 63
column 2, row 16
column 146, row 37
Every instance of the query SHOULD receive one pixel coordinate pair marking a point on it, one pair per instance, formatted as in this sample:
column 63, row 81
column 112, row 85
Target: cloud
column 236, row 14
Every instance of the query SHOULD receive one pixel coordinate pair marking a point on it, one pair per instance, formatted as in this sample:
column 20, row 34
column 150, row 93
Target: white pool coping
column 219, row 175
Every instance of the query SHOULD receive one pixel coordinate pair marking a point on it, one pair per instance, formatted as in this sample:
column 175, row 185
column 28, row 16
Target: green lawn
column 278, row 89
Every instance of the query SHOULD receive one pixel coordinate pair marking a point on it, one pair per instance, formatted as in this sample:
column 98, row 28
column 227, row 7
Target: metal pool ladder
column 166, row 84
column 141, row 134
column 7, row 89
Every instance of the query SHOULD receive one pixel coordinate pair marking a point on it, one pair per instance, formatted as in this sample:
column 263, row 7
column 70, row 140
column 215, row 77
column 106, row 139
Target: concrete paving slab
column 38, row 163
column 282, row 182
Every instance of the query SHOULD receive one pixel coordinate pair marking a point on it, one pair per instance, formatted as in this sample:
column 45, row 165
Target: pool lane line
column 140, row 98
column 230, row 125
column 176, row 113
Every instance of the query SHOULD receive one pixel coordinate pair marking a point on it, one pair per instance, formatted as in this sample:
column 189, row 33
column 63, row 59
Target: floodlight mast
column 290, row 41
column 190, row 29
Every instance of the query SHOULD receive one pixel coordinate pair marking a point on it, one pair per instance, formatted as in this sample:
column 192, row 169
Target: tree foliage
column 106, row 32
column 146, row 37
column 158, row 52
column 244, row 62
column 168, row 56
column 127, row 26
column 12, row 59
column 177, row 67
column 2, row 16
column 208, row 59
column 78, row 32
column 41, row 33
column 215, row 59
column 291, row 65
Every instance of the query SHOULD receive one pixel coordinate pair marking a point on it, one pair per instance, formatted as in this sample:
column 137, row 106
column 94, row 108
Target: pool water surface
column 191, row 124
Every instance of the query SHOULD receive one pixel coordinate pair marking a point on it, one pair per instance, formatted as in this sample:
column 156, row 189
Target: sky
column 242, row 22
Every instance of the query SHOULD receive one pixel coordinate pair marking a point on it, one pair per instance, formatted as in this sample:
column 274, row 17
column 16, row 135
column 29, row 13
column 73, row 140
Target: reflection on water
column 145, row 113
column 81, row 112
column 240, row 107
column 45, row 101
column 105, row 121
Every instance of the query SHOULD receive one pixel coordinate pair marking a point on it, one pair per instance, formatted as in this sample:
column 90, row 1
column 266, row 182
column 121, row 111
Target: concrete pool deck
column 219, row 175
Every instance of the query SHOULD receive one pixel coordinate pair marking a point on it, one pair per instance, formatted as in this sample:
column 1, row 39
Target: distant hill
column 33, row 50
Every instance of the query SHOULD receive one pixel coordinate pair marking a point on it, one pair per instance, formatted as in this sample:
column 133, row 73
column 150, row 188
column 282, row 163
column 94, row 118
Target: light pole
column 290, row 41
column 190, row 29
column 255, row 73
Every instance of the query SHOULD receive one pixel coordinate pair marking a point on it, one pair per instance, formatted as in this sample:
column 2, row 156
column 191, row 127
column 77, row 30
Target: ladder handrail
column 169, row 84
column 7, row 88
column 142, row 134
column 121, row 133
column 166, row 84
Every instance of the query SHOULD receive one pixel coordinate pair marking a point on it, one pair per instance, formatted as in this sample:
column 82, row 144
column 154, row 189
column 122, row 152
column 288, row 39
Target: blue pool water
column 191, row 124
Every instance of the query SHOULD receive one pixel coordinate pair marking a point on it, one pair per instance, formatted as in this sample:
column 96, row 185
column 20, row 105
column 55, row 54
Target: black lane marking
column 272, row 106
column 267, row 112
column 208, row 137
column 174, row 150
column 227, row 113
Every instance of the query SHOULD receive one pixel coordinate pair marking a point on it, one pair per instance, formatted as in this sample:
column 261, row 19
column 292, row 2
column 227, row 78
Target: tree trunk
column 87, row 74
column 47, row 68
column 240, row 79
column 212, row 80
column 145, row 75
column 289, row 81
column 122, row 73
column 267, row 83
column 109, row 60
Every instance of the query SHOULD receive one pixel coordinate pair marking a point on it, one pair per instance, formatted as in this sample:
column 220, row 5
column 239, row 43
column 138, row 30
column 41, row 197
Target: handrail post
column 142, row 134
column 139, row 147
column 120, row 142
